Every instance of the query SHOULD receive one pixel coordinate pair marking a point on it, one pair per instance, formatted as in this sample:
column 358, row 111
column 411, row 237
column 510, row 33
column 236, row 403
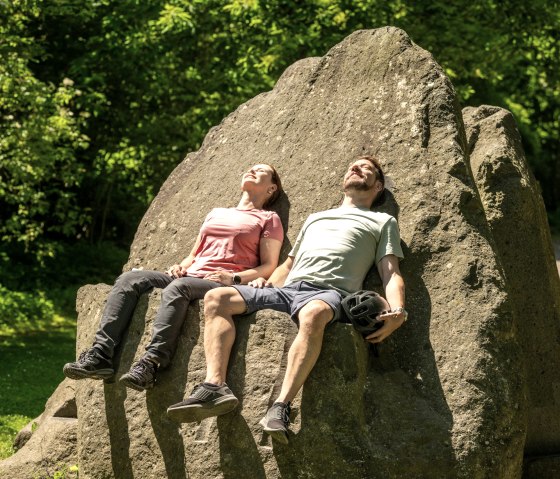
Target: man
column 330, row 259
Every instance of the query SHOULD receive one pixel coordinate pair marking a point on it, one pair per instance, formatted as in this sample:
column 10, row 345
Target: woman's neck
column 250, row 202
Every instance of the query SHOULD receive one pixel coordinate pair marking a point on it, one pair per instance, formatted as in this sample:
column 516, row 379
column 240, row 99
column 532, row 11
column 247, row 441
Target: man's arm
column 277, row 277
column 393, row 284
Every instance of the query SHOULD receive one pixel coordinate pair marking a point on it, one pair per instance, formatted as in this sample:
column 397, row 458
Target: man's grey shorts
column 289, row 299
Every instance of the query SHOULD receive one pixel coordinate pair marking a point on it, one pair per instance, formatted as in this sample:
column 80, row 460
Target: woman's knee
column 129, row 279
column 177, row 289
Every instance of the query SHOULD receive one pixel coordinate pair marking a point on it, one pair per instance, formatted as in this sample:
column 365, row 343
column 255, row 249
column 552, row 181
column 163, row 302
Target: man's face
column 361, row 175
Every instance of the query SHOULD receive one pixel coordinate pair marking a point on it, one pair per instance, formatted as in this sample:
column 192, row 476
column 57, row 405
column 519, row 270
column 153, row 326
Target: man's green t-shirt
column 336, row 248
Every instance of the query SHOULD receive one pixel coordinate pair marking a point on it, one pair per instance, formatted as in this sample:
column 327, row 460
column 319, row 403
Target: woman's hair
column 278, row 183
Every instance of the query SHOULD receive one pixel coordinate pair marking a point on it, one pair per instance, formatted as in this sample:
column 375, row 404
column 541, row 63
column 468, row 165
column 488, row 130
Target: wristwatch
column 402, row 311
column 236, row 279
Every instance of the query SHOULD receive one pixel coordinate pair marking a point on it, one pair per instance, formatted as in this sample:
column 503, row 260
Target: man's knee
column 314, row 317
column 222, row 301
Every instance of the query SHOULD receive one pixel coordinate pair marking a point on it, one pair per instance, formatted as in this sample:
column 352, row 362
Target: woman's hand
column 222, row 277
column 176, row 271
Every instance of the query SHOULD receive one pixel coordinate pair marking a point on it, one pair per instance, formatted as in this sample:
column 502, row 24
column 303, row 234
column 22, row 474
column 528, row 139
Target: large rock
column 445, row 399
column 48, row 443
column 519, row 227
column 124, row 433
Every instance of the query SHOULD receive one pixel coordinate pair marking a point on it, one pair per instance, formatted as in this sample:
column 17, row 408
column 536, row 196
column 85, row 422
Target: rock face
column 48, row 444
column 448, row 395
column 519, row 227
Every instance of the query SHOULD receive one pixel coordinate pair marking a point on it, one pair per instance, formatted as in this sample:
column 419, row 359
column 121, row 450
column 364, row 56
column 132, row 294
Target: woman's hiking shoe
column 90, row 365
column 141, row 376
column 206, row 400
column 277, row 421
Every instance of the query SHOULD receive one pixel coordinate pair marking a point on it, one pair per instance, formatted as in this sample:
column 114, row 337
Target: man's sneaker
column 90, row 365
column 142, row 375
column 206, row 400
column 277, row 421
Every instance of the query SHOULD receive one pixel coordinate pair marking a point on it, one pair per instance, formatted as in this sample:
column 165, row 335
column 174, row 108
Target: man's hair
column 375, row 162
column 278, row 183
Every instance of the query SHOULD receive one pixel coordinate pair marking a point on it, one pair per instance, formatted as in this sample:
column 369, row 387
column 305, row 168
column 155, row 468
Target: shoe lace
column 201, row 392
column 282, row 412
column 196, row 391
column 142, row 367
column 86, row 355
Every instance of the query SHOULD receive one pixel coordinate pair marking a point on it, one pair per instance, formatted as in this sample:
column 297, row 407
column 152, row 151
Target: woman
column 234, row 246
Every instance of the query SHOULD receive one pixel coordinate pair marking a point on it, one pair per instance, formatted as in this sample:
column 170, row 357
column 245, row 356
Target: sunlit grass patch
column 31, row 370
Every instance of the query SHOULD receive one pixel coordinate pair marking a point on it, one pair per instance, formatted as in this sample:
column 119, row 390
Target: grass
column 31, row 370
column 34, row 344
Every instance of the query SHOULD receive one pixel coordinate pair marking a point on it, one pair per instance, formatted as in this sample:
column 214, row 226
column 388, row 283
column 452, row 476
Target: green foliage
column 100, row 100
column 62, row 472
column 40, row 138
column 80, row 262
column 17, row 308
column 31, row 293
column 10, row 425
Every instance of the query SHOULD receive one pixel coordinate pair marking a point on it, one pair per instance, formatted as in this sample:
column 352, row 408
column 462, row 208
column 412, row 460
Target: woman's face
column 259, row 176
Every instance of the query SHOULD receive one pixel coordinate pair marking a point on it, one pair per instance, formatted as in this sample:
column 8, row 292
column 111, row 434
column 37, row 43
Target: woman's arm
column 269, row 253
column 188, row 261
column 179, row 270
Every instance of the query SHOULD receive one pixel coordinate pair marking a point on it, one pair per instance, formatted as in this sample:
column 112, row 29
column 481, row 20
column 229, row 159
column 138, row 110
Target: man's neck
column 354, row 199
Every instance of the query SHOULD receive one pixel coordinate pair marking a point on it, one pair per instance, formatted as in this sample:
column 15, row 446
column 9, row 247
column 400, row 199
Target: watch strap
column 402, row 311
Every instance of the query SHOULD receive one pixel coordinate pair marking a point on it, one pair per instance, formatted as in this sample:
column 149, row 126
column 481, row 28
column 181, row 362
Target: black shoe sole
column 198, row 412
column 74, row 373
column 278, row 435
column 129, row 383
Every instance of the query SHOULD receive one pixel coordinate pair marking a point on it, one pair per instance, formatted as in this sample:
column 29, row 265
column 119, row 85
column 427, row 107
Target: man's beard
column 358, row 185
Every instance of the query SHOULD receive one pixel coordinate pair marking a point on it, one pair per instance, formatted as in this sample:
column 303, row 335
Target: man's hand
column 260, row 283
column 393, row 321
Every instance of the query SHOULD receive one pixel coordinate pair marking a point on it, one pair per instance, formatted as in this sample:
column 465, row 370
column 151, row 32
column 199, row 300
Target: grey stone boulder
column 47, row 444
column 445, row 399
column 62, row 403
column 518, row 225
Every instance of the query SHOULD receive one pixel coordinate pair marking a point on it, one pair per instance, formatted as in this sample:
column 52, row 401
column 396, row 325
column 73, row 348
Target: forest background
column 101, row 99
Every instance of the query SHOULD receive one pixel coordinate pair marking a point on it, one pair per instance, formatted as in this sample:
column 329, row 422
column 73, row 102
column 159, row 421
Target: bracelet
column 402, row 311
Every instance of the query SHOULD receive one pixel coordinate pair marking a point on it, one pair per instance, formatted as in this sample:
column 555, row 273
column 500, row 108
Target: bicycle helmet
column 362, row 308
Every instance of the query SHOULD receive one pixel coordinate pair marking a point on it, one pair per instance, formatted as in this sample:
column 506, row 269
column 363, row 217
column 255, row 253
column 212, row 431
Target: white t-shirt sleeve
column 389, row 241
